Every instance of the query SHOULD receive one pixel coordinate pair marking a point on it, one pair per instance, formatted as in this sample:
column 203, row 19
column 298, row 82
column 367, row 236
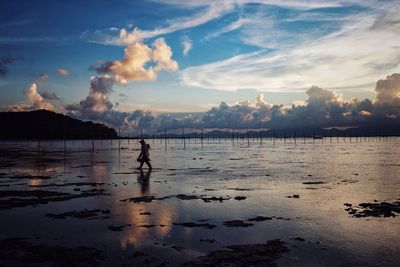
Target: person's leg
column 141, row 165
column 148, row 164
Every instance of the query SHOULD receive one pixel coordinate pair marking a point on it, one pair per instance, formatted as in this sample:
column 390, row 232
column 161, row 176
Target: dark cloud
column 101, row 68
column 322, row 109
column 4, row 61
column 102, row 85
column 49, row 95
column 97, row 100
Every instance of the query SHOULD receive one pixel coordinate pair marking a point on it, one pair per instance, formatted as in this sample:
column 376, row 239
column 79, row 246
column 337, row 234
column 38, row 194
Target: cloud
column 388, row 90
column 62, row 72
column 294, row 4
column 128, row 38
column 97, row 106
column 187, row 45
column 5, row 60
column 49, row 95
column 350, row 55
column 261, row 103
column 162, row 55
column 97, row 100
column 323, row 109
column 317, row 95
column 35, row 101
column 132, row 67
column 211, row 11
column 290, row 57
column 231, row 27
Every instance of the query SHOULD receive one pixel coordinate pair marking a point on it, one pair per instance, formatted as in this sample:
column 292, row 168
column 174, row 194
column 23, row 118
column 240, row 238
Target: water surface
column 324, row 174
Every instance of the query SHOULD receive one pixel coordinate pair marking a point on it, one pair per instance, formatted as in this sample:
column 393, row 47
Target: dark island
column 44, row 124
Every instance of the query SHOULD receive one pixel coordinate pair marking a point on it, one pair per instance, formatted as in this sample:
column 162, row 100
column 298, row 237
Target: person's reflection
column 144, row 179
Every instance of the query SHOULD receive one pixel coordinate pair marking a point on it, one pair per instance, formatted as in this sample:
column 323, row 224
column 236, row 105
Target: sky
column 203, row 63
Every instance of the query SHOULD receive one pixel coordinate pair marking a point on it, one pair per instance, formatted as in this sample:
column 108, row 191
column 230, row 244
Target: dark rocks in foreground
column 143, row 199
column 28, row 177
column 240, row 189
column 207, row 240
column 14, row 198
column 68, row 184
column 383, row 209
column 260, row 219
column 118, row 228
column 83, row 214
column 243, row 255
column 314, row 182
column 202, row 197
column 20, row 252
column 192, row 224
column 299, row 239
column 179, row 196
column 237, row 223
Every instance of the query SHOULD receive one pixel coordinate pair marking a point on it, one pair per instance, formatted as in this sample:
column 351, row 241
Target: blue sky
column 235, row 50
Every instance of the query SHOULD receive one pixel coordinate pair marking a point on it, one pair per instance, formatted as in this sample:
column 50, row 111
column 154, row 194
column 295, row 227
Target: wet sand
column 331, row 204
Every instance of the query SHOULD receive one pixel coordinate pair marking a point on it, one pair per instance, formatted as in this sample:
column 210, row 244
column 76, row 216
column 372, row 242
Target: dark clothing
column 144, row 156
column 144, row 152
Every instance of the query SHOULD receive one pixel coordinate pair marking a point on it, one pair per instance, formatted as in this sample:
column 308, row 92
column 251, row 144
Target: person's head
column 142, row 142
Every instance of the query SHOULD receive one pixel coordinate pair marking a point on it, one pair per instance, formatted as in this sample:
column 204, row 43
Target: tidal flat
column 318, row 203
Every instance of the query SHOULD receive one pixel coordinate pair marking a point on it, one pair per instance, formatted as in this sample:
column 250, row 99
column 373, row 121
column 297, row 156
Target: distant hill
column 46, row 124
column 285, row 133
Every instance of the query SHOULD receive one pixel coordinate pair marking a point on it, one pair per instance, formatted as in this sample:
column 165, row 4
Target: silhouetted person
column 143, row 179
column 144, row 156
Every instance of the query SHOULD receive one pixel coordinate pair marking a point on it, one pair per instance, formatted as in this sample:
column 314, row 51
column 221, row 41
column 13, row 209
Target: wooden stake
column 183, row 136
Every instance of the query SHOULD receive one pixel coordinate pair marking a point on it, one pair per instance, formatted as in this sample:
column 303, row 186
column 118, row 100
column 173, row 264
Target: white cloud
column 35, row 100
column 62, row 72
column 231, row 27
column 211, row 10
column 162, row 55
column 388, row 90
column 261, row 103
column 366, row 47
column 133, row 66
column 187, row 45
column 298, row 4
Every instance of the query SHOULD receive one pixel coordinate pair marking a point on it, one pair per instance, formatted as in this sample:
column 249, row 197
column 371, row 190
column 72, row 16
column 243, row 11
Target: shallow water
column 324, row 173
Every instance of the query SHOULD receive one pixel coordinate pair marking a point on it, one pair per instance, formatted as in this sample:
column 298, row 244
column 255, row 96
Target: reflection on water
column 144, row 179
column 264, row 177
column 150, row 225
column 139, row 234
